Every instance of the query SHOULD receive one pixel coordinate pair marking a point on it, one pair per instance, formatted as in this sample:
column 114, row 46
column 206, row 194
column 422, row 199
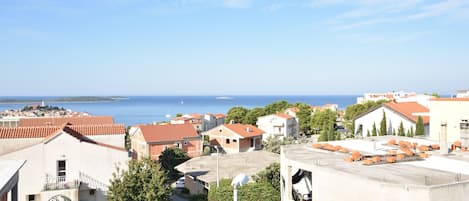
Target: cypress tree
column 400, row 130
column 373, row 131
column 383, row 127
column 419, row 129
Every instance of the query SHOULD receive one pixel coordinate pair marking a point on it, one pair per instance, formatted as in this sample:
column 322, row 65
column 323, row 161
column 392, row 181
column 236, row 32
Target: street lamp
column 239, row 180
column 218, row 166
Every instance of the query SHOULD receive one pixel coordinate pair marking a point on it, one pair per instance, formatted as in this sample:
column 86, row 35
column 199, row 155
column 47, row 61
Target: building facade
column 455, row 113
column 278, row 125
column 151, row 140
column 235, row 138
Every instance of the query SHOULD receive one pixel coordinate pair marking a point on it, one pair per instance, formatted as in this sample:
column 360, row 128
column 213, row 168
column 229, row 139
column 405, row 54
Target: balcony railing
column 59, row 183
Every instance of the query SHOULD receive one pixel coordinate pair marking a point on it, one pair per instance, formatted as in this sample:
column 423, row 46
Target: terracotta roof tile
column 408, row 109
column 283, row 115
column 169, row 132
column 44, row 131
column 219, row 116
column 294, row 109
column 244, row 130
column 57, row 121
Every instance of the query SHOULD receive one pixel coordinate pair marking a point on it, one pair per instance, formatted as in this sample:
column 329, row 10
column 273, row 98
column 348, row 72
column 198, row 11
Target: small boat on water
column 224, row 98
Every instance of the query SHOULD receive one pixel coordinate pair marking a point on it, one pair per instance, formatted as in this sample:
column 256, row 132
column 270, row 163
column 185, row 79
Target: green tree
column 252, row 115
column 179, row 115
column 271, row 175
column 374, row 132
column 236, row 114
column 412, row 134
column 324, row 121
column 170, row 158
column 278, row 106
column 273, row 143
column 127, row 142
column 383, row 127
column 144, row 180
column 255, row 191
column 400, row 130
column 394, row 132
column 419, row 128
column 304, row 118
column 368, row 133
column 353, row 111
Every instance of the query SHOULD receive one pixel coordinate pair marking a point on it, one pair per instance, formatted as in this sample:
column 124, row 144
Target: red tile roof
column 219, row 116
column 169, row 132
column 58, row 121
column 408, row 109
column 44, row 131
column 244, row 130
column 283, row 115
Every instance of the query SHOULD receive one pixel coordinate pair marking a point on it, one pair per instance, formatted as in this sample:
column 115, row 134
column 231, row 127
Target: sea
column 148, row 109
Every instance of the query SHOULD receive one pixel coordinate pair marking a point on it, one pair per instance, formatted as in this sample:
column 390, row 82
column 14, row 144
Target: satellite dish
column 240, row 180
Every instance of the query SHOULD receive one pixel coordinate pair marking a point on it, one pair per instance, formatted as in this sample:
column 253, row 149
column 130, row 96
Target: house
column 315, row 173
column 406, row 112
column 332, row 107
column 151, row 140
column 201, row 172
column 462, row 94
column 12, row 138
column 388, row 96
column 201, row 122
column 65, row 164
column 280, row 124
column 9, row 174
column 455, row 113
column 292, row 111
column 235, row 138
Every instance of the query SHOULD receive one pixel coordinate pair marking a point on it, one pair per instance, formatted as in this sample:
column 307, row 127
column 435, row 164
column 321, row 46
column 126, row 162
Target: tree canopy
column 400, row 130
column 383, row 127
column 273, row 143
column 236, row 114
column 170, row 158
column 304, row 115
column 252, row 115
column 353, row 111
column 144, row 180
column 271, row 175
column 324, row 122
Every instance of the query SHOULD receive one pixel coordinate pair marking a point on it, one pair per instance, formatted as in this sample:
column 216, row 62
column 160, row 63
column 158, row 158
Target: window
column 185, row 142
column 61, row 170
column 252, row 142
column 227, row 141
column 234, row 140
column 178, row 145
column 31, row 197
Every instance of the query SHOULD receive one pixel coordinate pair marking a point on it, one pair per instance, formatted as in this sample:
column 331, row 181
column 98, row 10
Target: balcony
column 59, row 183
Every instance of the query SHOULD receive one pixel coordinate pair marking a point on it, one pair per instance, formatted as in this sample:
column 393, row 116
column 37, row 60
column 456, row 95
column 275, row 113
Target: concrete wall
column 194, row 186
column 11, row 144
column 115, row 140
column 393, row 121
column 451, row 112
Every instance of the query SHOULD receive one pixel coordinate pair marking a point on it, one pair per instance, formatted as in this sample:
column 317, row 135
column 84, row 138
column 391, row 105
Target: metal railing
column 59, row 183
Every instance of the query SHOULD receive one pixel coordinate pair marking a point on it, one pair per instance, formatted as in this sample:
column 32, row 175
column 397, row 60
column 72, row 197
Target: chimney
column 232, row 121
column 248, row 129
column 443, row 139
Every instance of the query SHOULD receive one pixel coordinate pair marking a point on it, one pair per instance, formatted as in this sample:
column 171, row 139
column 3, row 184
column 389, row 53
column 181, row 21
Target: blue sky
column 192, row 47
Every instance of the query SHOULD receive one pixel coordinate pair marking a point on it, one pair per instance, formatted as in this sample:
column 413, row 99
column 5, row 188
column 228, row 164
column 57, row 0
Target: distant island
column 66, row 99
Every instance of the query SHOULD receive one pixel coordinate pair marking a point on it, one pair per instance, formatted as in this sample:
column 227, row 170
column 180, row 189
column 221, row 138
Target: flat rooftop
column 8, row 169
column 230, row 165
column 436, row 170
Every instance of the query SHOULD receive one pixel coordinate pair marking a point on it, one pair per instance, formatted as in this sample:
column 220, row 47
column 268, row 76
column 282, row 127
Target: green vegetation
column 324, row 122
column 144, row 180
column 400, row 130
column 374, row 131
column 179, row 115
column 273, row 143
column 170, row 158
column 382, row 127
column 419, row 128
column 304, row 118
column 252, row 115
column 236, row 114
column 270, row 175
column 127, row 141
column 262, row 191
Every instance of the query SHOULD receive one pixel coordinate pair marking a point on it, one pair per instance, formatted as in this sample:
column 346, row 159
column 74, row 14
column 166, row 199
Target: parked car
column 180, row 183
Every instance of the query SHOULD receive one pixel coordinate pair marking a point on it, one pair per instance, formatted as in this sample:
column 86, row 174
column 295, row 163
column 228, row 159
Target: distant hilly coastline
column 65, row 99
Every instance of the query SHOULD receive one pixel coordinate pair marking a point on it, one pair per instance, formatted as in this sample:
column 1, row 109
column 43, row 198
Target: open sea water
column 147, row 109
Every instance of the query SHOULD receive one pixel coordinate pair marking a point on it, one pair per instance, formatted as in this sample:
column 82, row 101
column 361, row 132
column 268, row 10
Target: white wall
column 274, row 125
column 115, row 140
column 451, row 112
column 393, row 121
column 12, row 144
column 94, row 160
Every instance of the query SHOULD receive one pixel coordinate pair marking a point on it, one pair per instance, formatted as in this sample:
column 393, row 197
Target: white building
column 407, row 113
column 201, row 122
column 455, row 113
column 65, row 165
column 462, row 94
column 280, row 124
column 9, row 176
column 384, row 96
